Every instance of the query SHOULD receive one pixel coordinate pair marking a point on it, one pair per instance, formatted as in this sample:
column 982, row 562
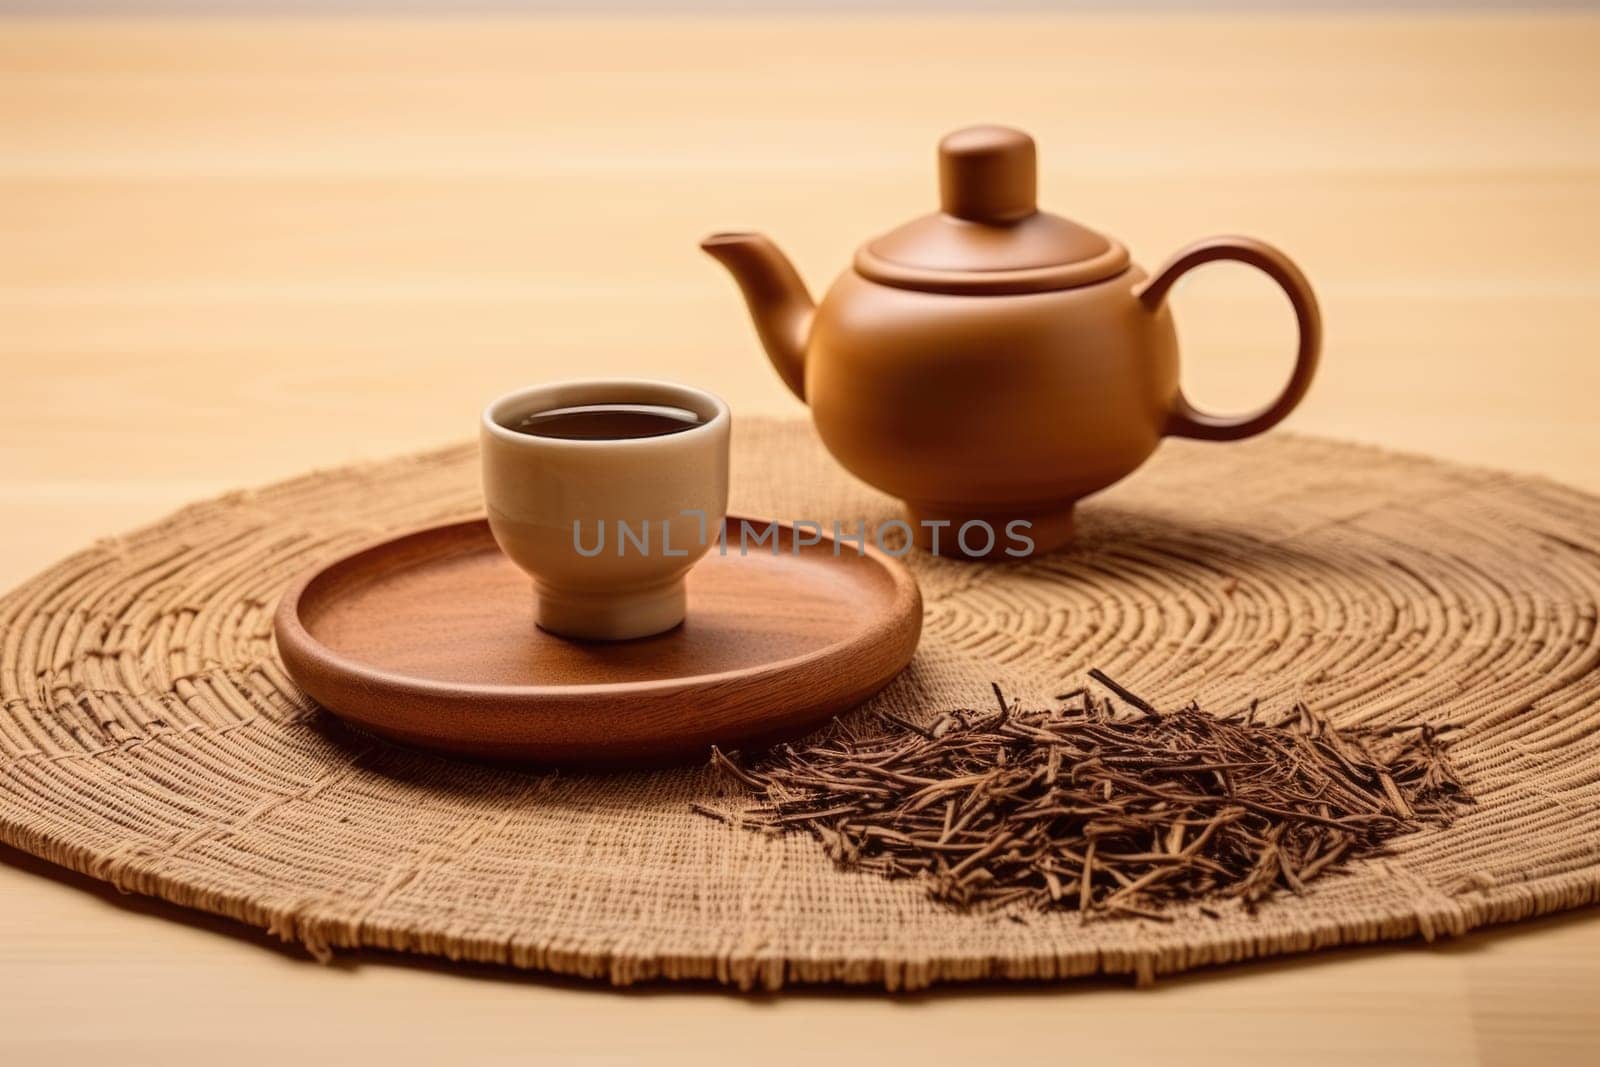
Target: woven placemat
column 150, row 737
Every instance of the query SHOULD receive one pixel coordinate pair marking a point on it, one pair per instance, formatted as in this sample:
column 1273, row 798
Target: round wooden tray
column 429, row 639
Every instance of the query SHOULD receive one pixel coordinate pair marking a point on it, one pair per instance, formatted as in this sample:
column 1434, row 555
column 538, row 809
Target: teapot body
column 991, row 364
column 990, row 408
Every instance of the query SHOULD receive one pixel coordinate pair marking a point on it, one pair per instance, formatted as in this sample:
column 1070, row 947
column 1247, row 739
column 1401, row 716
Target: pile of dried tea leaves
column 1107, row 807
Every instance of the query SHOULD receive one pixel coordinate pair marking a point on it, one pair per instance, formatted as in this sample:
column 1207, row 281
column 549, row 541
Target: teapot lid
column 989, row 236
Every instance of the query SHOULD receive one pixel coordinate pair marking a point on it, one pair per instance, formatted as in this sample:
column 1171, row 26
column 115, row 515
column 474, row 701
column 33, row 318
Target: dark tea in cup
column 608, row 422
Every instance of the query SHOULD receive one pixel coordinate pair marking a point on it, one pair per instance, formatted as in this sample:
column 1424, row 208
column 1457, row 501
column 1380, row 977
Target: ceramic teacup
column 607, row 529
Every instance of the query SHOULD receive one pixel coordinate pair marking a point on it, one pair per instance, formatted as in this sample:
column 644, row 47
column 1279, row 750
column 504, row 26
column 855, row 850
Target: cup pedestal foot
column 613, row 616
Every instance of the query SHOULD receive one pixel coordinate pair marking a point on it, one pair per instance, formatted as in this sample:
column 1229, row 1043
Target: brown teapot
column 991, row 364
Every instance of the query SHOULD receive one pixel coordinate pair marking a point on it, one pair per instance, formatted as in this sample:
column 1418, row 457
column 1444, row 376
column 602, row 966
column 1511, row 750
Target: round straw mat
column 150, row 737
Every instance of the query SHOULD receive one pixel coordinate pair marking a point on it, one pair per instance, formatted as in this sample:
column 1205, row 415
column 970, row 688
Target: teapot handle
column 1185, row 420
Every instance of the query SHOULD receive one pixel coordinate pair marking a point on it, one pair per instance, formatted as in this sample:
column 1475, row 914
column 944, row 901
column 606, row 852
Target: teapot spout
column 778, row 301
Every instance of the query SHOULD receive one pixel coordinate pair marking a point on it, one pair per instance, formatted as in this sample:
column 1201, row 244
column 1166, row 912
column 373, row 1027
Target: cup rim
column 606, row 389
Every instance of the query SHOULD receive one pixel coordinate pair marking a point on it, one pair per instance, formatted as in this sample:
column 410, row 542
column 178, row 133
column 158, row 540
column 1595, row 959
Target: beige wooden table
column 231, row 250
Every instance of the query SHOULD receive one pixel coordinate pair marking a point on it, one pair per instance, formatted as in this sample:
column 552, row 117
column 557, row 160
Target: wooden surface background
column 234, row 249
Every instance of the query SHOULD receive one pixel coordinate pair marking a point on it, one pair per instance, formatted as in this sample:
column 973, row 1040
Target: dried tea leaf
column 1105, row 810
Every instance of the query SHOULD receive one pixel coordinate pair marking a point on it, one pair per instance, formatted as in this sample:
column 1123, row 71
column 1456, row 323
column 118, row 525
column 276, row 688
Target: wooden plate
column 429, row 639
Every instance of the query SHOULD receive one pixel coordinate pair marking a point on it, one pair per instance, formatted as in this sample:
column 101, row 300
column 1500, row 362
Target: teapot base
column 954, row 532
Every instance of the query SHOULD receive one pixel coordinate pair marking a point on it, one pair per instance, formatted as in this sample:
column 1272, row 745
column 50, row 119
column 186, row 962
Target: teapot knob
column 988, row 174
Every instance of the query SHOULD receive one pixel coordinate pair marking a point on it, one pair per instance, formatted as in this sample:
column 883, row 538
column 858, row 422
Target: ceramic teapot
column 991, row 364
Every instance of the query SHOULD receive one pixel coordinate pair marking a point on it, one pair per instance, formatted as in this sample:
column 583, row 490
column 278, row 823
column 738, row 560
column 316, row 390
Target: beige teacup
column 607, row 529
